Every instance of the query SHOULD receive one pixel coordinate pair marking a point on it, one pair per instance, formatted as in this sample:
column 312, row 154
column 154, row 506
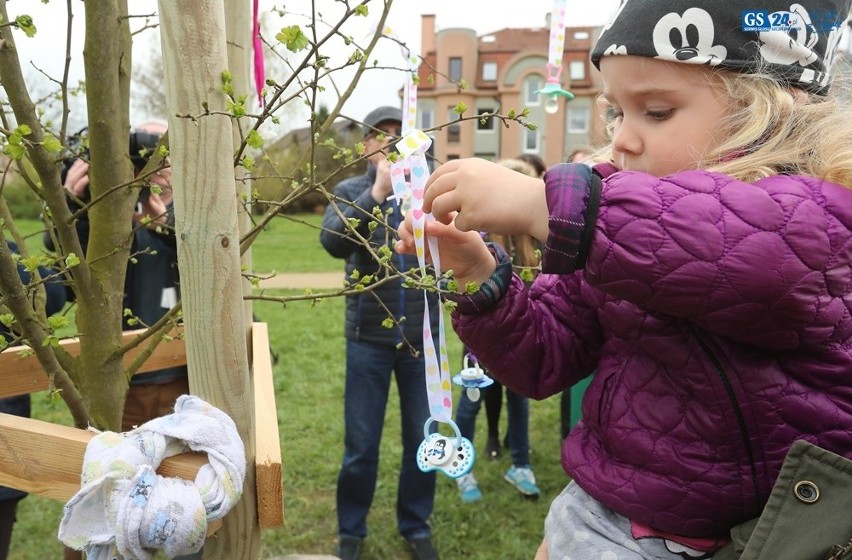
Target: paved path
column 305, row 557
column 302, row 280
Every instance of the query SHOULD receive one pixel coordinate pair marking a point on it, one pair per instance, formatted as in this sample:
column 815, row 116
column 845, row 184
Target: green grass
column 291, row 244
column 309, row 379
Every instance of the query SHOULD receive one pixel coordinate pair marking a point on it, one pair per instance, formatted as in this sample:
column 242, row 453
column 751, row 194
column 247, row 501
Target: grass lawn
column 309, row 391
column 291, row 244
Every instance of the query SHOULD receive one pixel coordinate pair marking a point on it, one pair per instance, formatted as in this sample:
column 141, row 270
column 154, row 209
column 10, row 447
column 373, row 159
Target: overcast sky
column 45, row 52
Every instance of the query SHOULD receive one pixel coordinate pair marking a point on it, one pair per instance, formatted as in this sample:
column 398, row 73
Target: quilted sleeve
column 537, row 340
column 767, row 264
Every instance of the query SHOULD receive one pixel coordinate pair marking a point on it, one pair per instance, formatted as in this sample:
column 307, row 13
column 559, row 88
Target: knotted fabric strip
column 124, row 509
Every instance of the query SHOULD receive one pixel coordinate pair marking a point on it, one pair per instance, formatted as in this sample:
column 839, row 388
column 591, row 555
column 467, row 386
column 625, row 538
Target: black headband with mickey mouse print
column 793, row 41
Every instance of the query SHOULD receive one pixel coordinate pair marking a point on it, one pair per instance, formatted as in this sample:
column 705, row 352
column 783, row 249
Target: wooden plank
column 21, row 373
column 47, row 459
column 25, row 465
column 270, row 497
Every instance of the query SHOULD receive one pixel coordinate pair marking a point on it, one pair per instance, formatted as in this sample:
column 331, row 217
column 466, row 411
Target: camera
column 141, row 146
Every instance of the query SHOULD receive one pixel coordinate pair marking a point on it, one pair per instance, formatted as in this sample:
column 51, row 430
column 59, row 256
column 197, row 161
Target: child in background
column 705, row 275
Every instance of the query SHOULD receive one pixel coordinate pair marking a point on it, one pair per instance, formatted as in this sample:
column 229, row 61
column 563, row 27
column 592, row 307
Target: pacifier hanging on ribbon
column 472, row 378
column 452, row 456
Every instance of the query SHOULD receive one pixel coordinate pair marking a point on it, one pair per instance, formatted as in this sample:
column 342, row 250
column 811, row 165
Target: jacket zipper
column 729, row 389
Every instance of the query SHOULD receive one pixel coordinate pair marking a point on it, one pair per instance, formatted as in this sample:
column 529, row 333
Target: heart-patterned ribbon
column 557, row 33
column 412, row 147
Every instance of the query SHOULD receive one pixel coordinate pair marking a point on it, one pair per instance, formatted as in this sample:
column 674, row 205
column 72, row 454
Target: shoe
column 523, row 479
column 422, row 549
column 349, row 548
column 492, row 448
column 468, row 488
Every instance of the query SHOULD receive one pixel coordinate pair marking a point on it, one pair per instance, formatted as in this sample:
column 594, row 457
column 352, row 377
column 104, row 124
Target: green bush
column 22, row 202
column 287, row 168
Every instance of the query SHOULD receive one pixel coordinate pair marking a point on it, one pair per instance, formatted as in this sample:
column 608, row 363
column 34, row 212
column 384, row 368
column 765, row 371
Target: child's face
column 665, row 115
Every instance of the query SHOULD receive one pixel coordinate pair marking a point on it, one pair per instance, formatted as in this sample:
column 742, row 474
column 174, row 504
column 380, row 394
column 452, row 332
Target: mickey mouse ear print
column 793, row 41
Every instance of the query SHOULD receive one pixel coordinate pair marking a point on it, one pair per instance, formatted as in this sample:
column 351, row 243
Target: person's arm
column 537, row 340
column 479, row 195
column 766, row 264
column 353, row 202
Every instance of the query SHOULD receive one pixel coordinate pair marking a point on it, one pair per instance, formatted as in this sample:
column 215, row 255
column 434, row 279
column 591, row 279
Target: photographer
column 151, row 285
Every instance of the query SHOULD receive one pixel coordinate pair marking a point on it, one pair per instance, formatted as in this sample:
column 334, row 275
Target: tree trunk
column 238, row 29
column 194, row 55
column 99, row 373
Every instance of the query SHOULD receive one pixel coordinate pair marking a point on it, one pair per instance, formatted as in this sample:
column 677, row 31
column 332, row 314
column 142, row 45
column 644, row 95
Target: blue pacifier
column 452, row 456
column 472, row 378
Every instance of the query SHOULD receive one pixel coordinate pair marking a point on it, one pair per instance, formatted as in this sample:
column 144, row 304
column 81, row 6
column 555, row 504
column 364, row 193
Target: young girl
column 705, row 274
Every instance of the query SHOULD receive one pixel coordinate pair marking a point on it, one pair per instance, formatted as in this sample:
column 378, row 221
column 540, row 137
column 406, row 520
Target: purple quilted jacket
column 716, row 317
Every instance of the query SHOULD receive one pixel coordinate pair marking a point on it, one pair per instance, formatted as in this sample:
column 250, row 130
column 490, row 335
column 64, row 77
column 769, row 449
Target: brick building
column 502, row 70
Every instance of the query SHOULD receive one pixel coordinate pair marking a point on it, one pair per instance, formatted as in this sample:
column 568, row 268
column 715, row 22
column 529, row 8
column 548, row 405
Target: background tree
column 94, row 383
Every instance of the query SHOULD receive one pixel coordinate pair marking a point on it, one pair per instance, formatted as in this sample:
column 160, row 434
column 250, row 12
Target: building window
column 455, row 69
column 489, row 71
column 578, row 120
column 490, row 156
column 530, row 141
column 427, row 119
column 485, row 123
column 577, row 70
column 454, row 129
column 531, row 85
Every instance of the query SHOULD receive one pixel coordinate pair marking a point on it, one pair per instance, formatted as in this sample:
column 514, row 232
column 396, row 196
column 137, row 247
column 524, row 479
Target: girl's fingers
column 445, row 183
column 445, row 206
column 448, row 167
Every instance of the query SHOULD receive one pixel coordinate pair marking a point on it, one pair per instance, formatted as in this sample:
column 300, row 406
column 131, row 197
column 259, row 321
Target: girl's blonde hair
column 776, row 129
column 521, row 248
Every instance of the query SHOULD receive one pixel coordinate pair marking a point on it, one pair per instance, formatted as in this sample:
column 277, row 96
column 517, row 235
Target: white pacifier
column 472, row 378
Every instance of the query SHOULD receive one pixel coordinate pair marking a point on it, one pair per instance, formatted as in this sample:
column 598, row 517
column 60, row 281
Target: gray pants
column 578, row 527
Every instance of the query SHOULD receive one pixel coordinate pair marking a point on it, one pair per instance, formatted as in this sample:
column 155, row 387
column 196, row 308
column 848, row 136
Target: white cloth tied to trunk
column 124, row 509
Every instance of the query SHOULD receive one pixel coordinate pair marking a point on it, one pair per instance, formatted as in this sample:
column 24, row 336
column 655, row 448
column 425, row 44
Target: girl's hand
column 483, row 196
column 463, row 252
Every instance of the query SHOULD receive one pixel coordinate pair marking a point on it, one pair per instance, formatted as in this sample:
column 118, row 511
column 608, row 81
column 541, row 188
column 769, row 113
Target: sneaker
column 422, row 549
column 349, row 548
column 523, row 479
column 492, row 448
column 468, row 488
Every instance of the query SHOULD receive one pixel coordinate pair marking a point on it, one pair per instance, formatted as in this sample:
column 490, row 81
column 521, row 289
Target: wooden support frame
column 25, row 464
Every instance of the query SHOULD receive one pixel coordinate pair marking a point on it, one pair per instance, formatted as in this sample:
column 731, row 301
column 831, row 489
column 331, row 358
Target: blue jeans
column 518, row 410
column 368, row 379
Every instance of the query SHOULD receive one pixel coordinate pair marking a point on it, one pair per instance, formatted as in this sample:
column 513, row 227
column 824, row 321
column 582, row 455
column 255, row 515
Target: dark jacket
column 718, row 315
column 364, row 314
column 151, row 284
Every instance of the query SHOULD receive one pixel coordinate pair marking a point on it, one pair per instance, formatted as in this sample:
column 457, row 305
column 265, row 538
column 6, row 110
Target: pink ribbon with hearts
column 409, row 194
